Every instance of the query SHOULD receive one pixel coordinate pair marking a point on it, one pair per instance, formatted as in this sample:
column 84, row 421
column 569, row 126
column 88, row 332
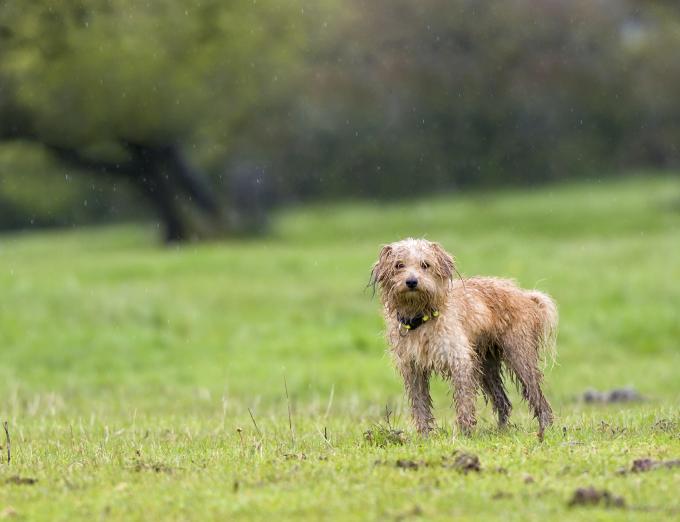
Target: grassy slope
column 118, row 357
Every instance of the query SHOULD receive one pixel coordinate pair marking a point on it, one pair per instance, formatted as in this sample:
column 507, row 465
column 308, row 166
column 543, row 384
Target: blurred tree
column 336, row 98
column 418, row 96
column 406, row 97
column 126, row 89
column 651, row 38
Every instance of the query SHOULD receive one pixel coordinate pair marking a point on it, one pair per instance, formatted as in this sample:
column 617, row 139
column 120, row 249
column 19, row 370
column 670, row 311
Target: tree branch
column 74, row 158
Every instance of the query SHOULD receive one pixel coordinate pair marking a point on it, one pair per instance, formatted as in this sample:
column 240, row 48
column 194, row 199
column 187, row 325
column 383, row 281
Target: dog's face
column 412, row 274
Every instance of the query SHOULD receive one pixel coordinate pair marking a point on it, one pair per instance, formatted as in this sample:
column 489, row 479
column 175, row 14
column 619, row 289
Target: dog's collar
column 411, row 323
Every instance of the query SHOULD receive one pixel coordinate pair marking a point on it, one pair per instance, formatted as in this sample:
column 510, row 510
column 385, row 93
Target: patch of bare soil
column 156, row 467
column 409, row 464
column 595, row 497
column 21, row 481
column 459, row 461
column 613, row 396
column 465, row 463
column 642, row 465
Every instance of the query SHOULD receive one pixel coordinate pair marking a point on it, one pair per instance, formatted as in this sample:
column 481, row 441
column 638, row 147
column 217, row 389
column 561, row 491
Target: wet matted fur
column 467, row 331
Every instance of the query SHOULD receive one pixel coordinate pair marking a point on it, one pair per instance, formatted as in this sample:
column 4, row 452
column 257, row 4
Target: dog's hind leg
column 521, row 355
column 417, row 384
column 492, row 385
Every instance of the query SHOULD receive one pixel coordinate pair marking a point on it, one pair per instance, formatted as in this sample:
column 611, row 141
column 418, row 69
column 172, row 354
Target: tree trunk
column 171, row 185
column 180, row 195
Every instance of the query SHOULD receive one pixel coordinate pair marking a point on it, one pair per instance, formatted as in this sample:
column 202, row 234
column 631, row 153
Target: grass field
column 129, row 372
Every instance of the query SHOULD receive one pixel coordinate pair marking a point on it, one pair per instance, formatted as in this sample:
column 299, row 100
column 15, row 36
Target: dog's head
column 412, row 275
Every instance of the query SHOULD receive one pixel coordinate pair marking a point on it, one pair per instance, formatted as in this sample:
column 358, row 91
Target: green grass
column 128, row 370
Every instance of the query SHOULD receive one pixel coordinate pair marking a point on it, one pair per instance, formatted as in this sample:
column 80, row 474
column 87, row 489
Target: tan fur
column 484, row 325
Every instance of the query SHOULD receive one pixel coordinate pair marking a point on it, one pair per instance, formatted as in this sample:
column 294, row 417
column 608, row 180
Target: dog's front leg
column 417, row 384
column 464, row 376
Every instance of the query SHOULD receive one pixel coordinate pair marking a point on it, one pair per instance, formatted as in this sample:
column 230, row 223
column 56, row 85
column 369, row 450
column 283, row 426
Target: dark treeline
column 206, row 114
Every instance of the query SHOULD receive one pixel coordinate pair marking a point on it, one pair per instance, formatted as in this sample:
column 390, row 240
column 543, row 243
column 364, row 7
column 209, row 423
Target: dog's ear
column 444, row 261
column 382, row 266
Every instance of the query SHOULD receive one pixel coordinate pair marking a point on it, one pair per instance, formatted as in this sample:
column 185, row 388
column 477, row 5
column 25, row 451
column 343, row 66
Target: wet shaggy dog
column 467, row 331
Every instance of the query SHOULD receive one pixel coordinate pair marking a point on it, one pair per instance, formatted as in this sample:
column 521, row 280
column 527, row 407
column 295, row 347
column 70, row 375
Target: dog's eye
column 399, row 265
column 425, row 265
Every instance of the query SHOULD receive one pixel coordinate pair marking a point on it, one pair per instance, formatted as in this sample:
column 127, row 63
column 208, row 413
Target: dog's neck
column 413, row 322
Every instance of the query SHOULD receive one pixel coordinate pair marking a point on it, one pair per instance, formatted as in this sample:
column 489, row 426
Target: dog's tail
column 549, row 321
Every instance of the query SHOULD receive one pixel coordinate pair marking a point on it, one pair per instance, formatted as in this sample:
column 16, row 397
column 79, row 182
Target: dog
column 469, row 331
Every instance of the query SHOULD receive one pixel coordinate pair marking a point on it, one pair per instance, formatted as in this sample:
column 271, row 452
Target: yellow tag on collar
column 435, row 314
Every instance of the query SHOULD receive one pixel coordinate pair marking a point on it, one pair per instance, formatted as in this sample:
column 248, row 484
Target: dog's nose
column 412, row 283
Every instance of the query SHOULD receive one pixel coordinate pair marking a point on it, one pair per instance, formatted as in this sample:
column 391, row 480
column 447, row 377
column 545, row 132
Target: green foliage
column 115, row 87
column 128, row 370
column 93, row 72
column 450, row 94
column 386, row 98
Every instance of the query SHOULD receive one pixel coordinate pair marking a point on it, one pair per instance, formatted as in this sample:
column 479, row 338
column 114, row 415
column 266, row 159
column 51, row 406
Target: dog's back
column 495, row 307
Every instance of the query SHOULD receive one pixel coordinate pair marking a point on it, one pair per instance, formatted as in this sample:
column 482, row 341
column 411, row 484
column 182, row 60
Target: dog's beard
column 410, row 303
